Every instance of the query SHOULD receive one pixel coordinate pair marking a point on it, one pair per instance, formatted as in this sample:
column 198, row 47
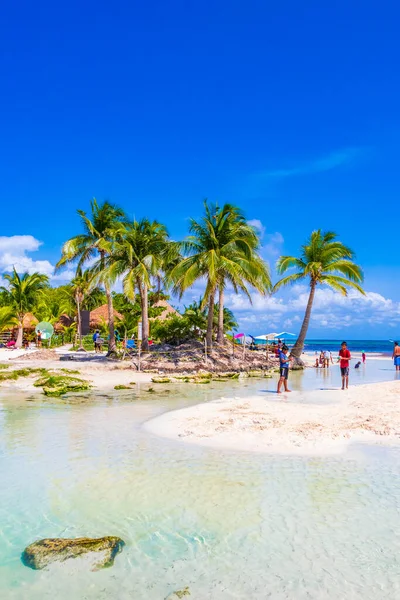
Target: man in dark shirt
column 284, row 362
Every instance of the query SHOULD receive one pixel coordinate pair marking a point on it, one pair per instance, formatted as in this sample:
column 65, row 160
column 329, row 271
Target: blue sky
column 289, row 110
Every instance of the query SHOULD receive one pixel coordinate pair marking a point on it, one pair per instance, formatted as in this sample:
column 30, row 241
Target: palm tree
column 229, row 322
column 7, row 318
column 96, row 241
column 81, row 286
column 324, row 260
column 22, row 293
column 221, row 249
column 139, row 256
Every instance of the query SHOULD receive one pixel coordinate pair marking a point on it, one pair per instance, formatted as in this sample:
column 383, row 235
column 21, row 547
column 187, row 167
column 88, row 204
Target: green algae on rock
column 122, row 387
column 58, row 385
column 178, row 594
column 161, row 380
column 47, row 551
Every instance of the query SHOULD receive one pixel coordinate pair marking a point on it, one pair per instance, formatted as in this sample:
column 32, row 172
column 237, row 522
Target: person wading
column 284, row 362
column 396, row 356
column 345, row 356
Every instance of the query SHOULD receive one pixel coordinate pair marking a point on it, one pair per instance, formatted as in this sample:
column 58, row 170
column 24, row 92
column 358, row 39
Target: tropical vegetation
column 21, row 294
column 222, row 249
column 95, row 243
column 222, row 253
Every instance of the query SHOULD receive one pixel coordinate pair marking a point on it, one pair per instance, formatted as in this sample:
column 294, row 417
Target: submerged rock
column 178, row 594
column 45, row 552
column 161, row 380
column 58, row 385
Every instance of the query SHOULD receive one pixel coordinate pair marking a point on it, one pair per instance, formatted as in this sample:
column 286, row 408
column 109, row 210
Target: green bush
column 175, row 330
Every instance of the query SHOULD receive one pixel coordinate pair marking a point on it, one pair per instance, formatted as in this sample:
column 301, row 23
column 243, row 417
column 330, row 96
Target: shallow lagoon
column 228, row 525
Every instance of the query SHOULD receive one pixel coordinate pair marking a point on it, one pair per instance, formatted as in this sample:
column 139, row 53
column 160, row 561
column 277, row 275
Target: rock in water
column 44, row 552
column 178, row 594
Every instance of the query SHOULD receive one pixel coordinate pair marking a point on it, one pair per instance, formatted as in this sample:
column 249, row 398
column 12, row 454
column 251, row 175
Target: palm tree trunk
column 20, row 334
column 210, row 320
column 145, row 316
column 78, row 306
column 299, row 345
column 112, row 346
column 220, row 331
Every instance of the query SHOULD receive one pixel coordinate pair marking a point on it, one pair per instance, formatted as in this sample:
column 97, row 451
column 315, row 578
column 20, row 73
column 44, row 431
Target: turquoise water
column 228, row 525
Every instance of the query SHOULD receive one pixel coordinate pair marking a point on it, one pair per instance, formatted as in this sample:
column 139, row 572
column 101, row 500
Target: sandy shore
column 316, row 422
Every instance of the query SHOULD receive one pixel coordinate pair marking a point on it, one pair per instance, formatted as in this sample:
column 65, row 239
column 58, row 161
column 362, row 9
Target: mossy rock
column 201, row 380
column 132, row 383
column 178, row 594
column 17, row 373
column 58, row 385
column 255, row 373
column 160, row 380
column 70, row 371
column 122, row 387
column 45, row 552
column 228, row 375
column 4, row 366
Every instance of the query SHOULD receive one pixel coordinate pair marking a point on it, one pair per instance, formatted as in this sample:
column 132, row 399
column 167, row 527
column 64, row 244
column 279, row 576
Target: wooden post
column 139, row 347
column 205, row 349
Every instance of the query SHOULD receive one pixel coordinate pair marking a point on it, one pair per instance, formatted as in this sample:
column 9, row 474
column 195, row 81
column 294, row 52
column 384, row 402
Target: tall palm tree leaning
column 139, row 255
column 81, row 286
column 324, row 260
column 22, row 293
column 222, row 249
column 99, row 232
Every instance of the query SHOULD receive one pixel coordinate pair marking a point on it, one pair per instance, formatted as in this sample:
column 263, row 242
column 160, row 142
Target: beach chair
column 129, row 349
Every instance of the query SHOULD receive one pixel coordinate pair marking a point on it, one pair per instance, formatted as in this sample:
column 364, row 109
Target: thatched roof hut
column 29, row 321
column 63, row 321
column 99, row 315
column 168, row 311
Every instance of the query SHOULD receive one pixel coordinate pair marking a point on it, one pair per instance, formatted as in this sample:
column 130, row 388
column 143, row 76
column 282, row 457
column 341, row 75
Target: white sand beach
column 313, row 422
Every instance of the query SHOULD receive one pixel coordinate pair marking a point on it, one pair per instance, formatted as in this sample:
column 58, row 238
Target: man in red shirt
column 345, row 356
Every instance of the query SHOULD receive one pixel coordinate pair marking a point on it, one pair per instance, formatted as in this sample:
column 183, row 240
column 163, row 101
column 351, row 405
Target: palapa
column 99, row 315
column 29, row 321
column 168, row 311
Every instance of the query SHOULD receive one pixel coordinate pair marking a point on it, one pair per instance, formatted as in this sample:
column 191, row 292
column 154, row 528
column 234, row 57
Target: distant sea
column 377, row 346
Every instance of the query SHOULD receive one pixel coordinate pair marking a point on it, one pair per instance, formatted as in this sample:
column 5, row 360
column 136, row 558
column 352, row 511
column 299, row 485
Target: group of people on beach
column 325, row 358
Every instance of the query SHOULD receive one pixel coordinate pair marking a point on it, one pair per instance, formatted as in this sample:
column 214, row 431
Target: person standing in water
column 345, row 356
column 396, row 356
column 284, row 362
column 363, row 357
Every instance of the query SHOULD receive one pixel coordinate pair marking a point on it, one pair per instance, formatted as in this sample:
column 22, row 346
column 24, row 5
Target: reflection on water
column 227, row 525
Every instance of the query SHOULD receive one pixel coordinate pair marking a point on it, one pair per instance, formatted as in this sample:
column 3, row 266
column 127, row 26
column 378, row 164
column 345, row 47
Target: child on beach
column 363, row 357
column 357, row 365
column 345, row 356
column 284, row 362
column 396, row 356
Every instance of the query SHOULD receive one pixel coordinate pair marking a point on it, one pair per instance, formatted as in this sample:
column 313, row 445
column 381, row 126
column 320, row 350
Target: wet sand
column 313, row 422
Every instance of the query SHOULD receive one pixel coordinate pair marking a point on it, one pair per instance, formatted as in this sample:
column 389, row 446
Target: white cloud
column 331, row 310
column 257, row 224
column 273, row 245
column 13, row 254
column 324, row 163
